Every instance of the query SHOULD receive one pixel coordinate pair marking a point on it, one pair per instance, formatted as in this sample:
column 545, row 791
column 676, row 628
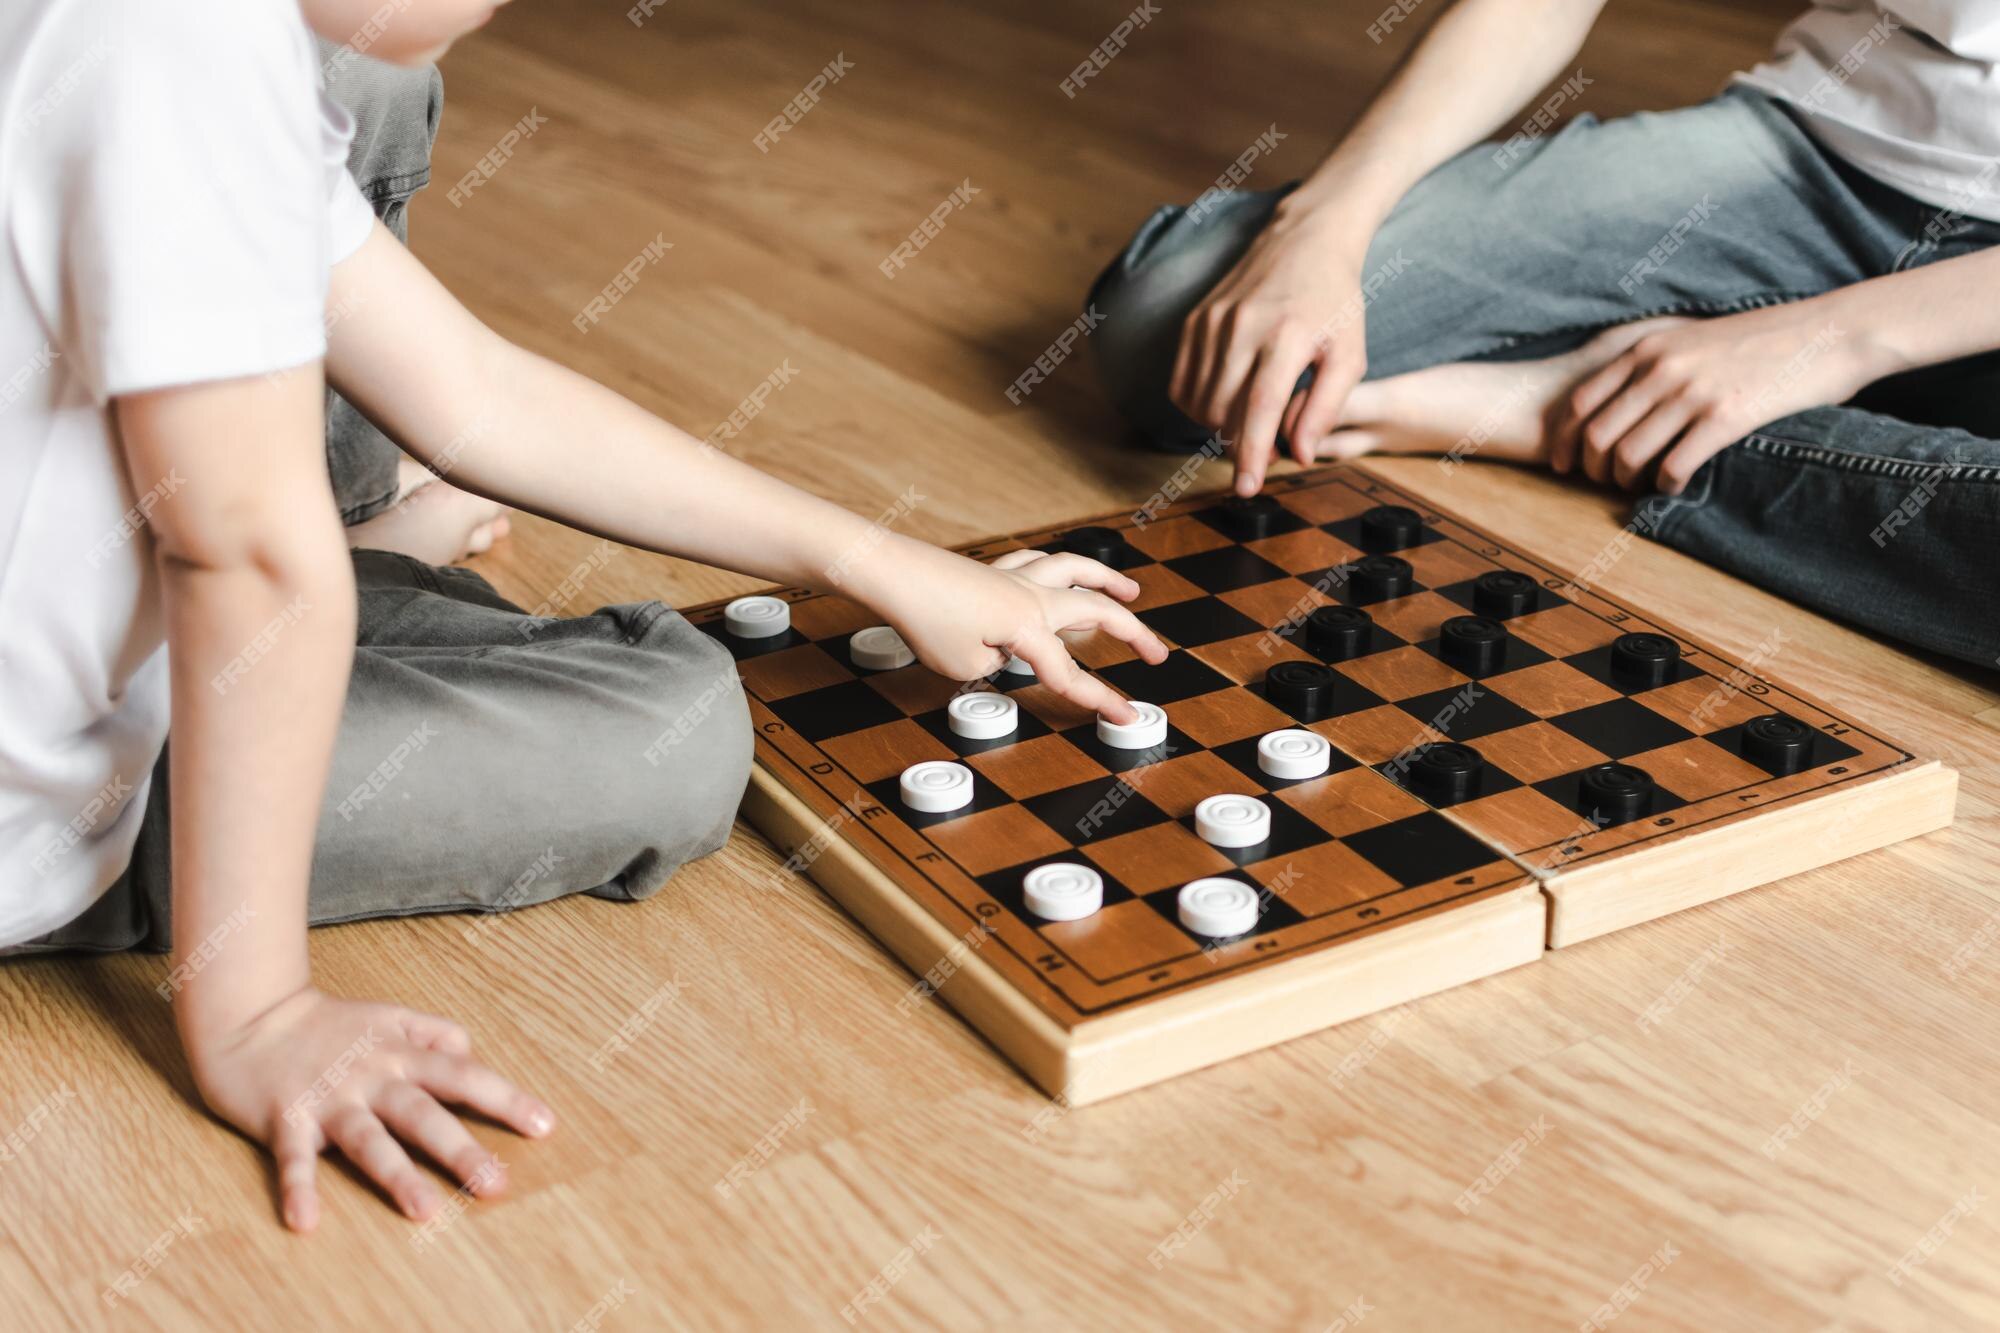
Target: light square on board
column 1402, row 673
column 1120, row 938
column 1537, row 751
column 1305, row 550
column 996, row 838
column 1550, row 688
column 1276, row 602
column 1245, row 660
column 1169, row 538
column 1376, row 735
column 915, row 688
column 1327, row 877
column 1697, row 769
column 1347, row 802
column 1416, row 618
column 1036, row 766
column 1703, row 704
column 1565, row 629
column 1225, row 716
column 1521, row 818
column 1327, row 504
column 1181, row 783
column 884, row 751
column 795, row 670
column 1159, row 586
column 1060, row 713
column 1446, row 562
column 1156, row 856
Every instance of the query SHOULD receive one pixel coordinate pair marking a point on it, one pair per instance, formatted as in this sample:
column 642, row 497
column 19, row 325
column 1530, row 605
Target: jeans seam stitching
column 1851, row 461
column 382, row 186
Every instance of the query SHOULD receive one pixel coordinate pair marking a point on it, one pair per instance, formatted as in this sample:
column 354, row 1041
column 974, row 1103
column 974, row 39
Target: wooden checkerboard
column 1371, row 891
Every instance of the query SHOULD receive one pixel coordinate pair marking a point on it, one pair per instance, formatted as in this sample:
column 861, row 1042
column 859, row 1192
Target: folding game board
column 1493, row 793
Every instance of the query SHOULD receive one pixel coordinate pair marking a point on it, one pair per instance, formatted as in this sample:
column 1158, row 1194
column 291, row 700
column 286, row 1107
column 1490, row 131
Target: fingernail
column 541, row 1122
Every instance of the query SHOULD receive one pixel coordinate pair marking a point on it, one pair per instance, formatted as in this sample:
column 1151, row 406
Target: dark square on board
column 1349, row 530
column 985, row 796
column 1005, row 885
column 1242, row 756
column 1826, row 749
column 1596, row 664
column 1278, row 522
column 741, row 648
column 835, row 710
column 1201, row 620
column 938, row 723
column 1621, row 728
column 1464, row 715
column 1181, row 676
column 1273, row 912
column 1420, row 848
column 1088, row 811
column 1566, row 790
column 1225, row 569
column 1290, row 832
column 1119, row 760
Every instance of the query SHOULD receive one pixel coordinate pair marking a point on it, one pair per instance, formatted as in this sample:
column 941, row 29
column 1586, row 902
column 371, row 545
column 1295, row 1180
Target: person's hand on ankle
column 1679, row 396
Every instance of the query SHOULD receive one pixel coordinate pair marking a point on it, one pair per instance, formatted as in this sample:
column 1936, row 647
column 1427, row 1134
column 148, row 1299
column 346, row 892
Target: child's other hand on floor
column 313, row 1072
column 962, row 618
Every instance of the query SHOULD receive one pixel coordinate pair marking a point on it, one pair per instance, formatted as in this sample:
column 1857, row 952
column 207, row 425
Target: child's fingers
column 466, row 1082
column 296, row 1148
column 1065, row 570
column 1089, row 609
column 418, row 1119
column 1053, row 667
column 367, row 1143
column 434, row 1033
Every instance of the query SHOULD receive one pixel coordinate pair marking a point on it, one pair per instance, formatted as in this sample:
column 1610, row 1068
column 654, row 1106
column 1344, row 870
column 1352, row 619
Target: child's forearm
column 562, row 445
column 1920, row 317
column 260, row 660
column 259, row 602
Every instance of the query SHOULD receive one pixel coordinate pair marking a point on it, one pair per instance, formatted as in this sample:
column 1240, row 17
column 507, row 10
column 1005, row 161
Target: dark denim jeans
column 1889, row 521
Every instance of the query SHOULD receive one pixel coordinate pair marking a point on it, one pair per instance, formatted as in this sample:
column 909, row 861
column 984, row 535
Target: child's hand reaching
column 962, row 618
column 313, row 1072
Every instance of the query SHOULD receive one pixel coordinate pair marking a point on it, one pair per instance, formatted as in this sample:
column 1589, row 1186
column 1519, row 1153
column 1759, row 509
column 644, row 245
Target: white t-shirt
column 173, row 196
column 1909, row 93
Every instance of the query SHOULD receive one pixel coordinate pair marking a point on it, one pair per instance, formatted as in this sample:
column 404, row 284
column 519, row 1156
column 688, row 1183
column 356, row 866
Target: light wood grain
column 1350, row 1170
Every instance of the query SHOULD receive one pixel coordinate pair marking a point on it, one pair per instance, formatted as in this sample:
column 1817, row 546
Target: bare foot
column 1494, row 409
column 436, row 523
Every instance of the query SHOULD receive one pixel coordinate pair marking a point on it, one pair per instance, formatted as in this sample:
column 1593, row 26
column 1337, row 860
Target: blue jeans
column 1884, row 511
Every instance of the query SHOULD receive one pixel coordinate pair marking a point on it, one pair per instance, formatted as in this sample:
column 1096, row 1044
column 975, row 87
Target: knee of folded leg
column 696, row 753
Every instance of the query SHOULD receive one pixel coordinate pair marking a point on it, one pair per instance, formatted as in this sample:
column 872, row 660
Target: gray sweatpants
column 487, row 759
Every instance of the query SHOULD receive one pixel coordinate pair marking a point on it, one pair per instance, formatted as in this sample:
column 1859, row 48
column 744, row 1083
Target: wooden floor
column 1311, row 1177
